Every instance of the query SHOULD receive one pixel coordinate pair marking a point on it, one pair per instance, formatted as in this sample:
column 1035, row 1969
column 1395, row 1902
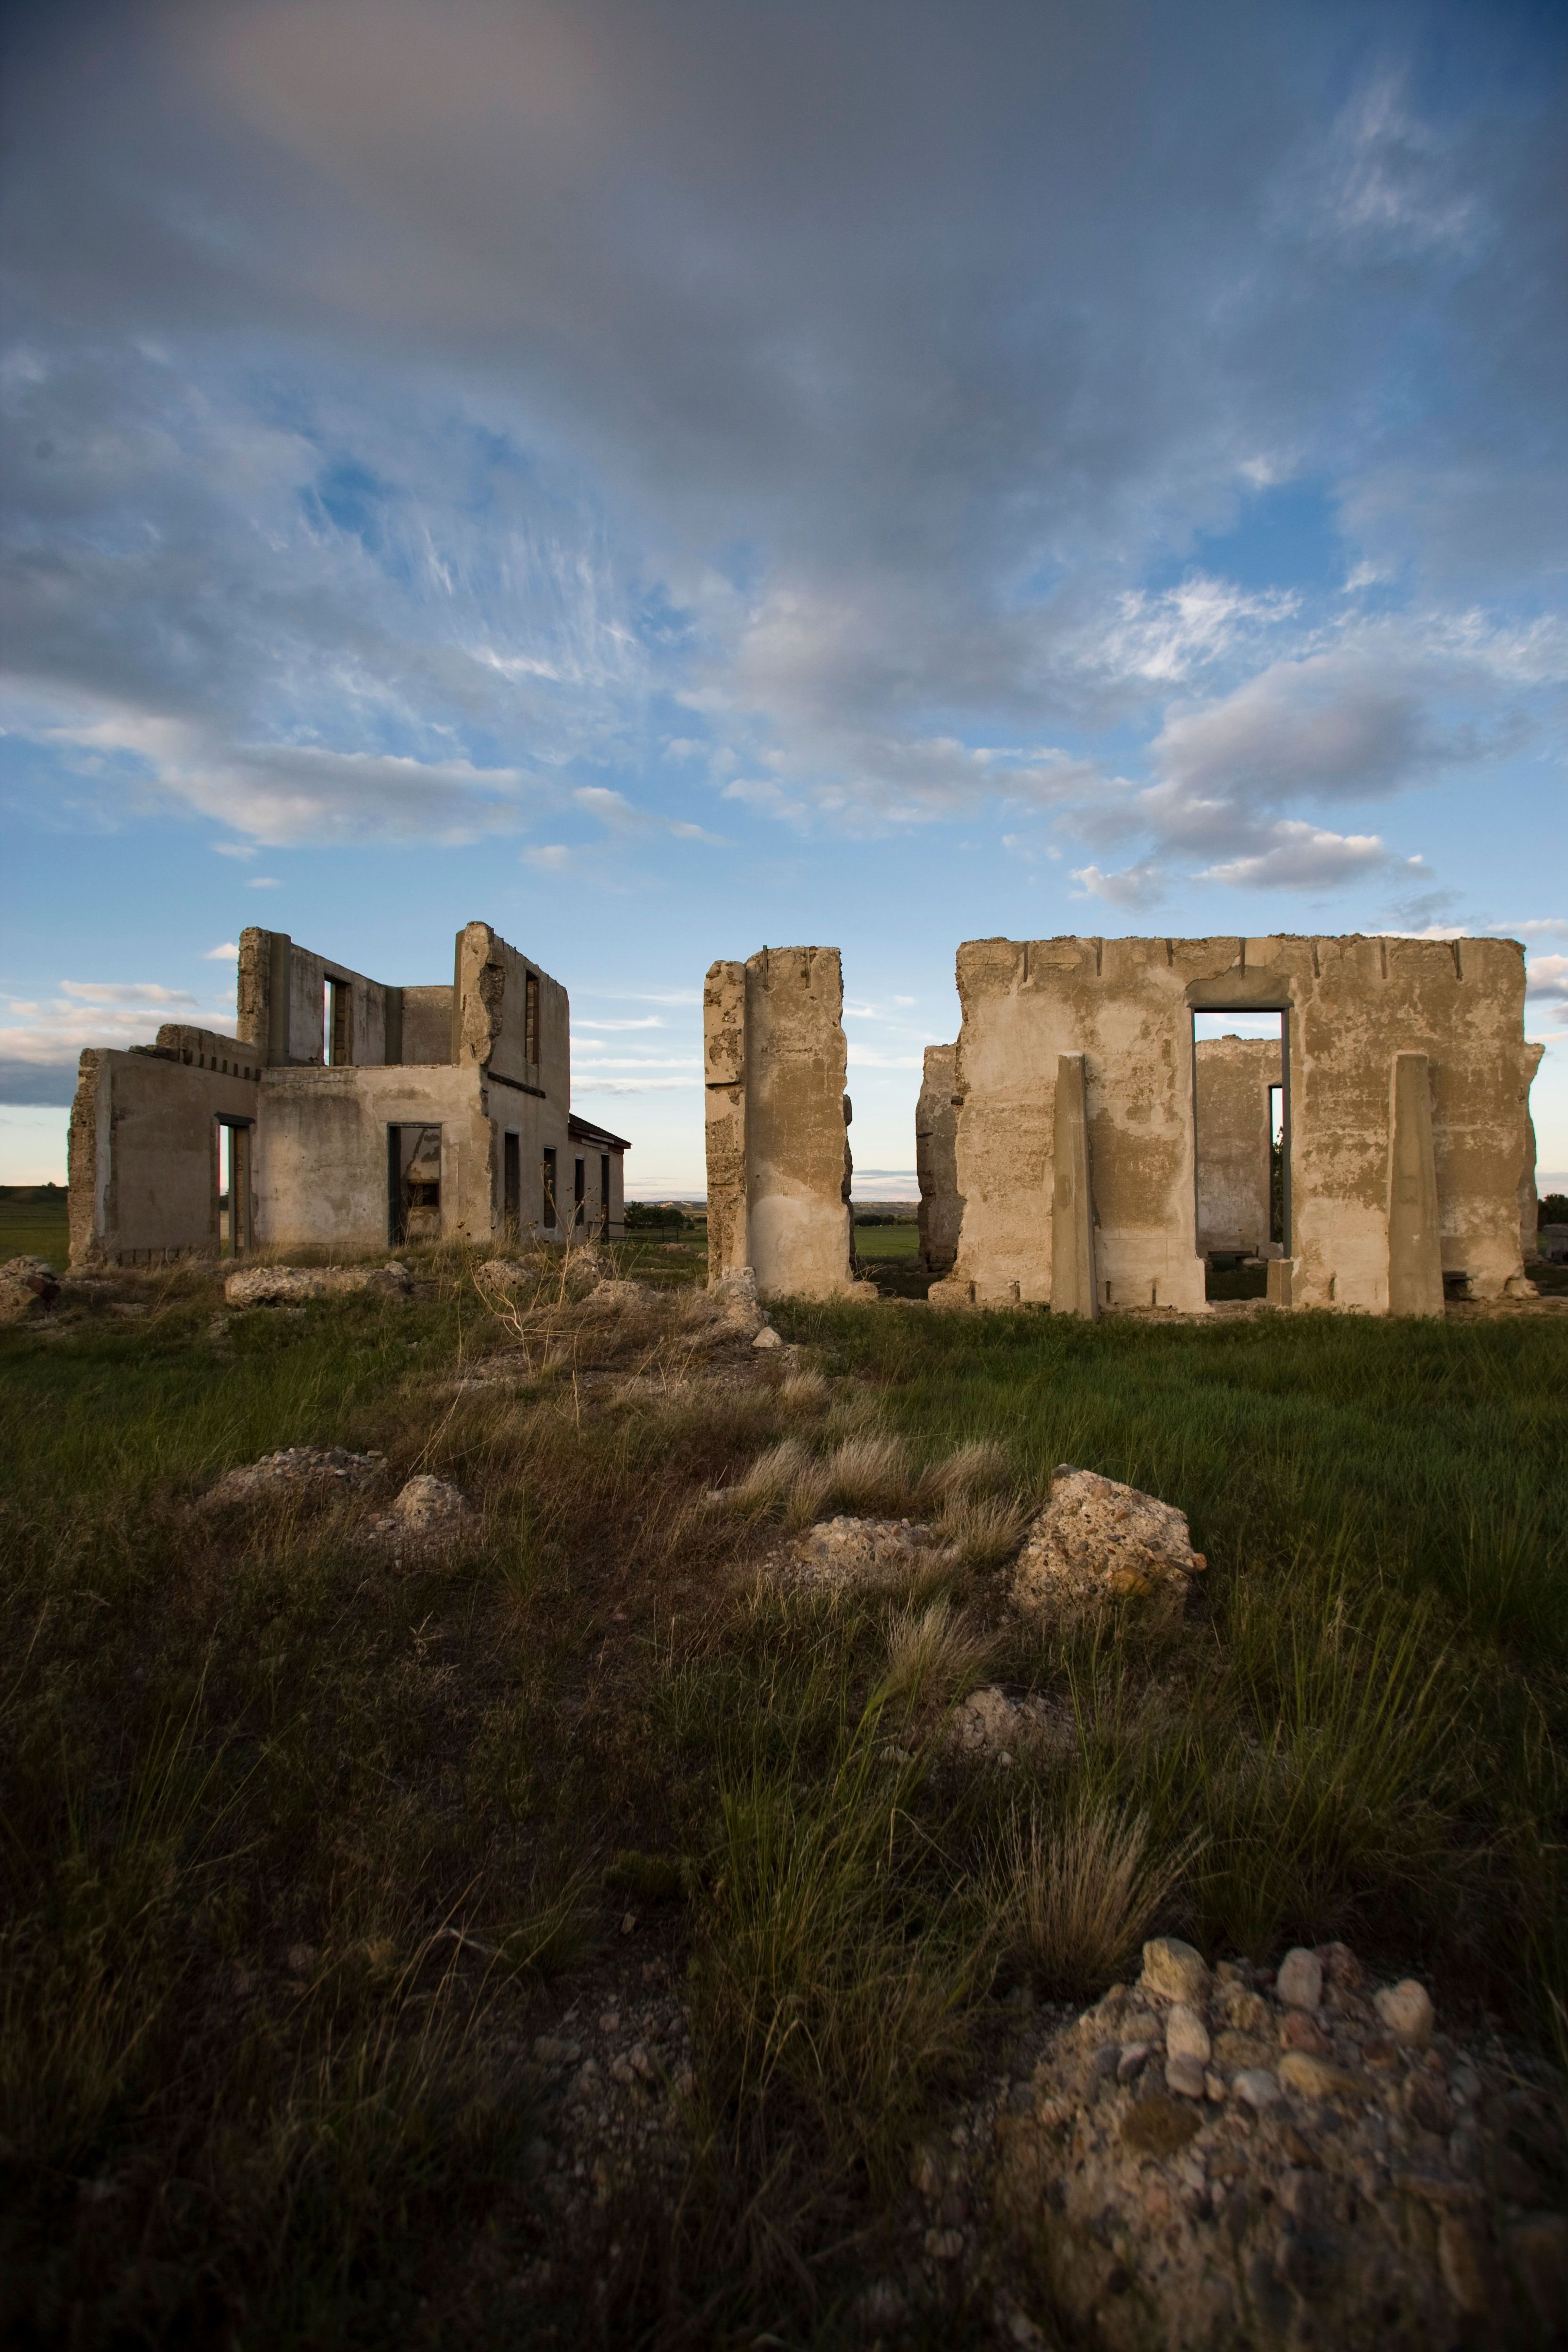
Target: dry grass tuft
column 869, row 1473
column 934, row 1658
column 804, row 1392
column 980, row 1466
column 1077, row 1897
column 984, row 1530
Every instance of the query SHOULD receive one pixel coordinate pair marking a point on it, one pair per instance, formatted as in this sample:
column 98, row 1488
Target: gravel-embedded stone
column 1184, row 2075
column 1300, row 1982
column 1316, row 2078
column 1407, row 2010
column 1258, row 2085
column 1186, row 2035
column 1097, row 1539
column 1159, row 2125
column 1175, row 1970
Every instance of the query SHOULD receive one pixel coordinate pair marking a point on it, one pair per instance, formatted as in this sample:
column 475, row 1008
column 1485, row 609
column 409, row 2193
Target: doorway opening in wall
column 603, row 1196
column 232, row 1179
column 1241, row 1112
column 579, row 1196
column 413, row 1184
column 512, row 1184
column 338, row 1024
column 548, row 1206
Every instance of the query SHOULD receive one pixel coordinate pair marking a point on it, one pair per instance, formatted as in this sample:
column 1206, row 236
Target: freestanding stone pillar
column 936, row 1173
column 1073, row 1287
column 778, row 1187
column 1415, row 1247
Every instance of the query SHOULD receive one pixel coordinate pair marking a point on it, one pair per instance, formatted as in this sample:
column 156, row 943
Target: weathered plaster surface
column 1351, row 1005
column 936, row 1166
column 778, row 1172
column 1233, row 1076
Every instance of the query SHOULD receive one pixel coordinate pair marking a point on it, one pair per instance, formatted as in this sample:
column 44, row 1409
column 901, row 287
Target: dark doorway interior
column 603, row 1196
column 512, row 1184
column 413, row 1185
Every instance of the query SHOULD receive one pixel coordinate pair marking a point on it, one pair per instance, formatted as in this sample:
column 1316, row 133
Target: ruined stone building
column 346, row 1114
column 1078, row 1146
column 1086, row 1176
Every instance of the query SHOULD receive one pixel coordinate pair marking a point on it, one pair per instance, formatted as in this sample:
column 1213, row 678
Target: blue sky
column 673, row 478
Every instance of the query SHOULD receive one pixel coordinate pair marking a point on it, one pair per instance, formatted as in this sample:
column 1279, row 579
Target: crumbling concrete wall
column 143, row 1150
column 491, row 1021
column 321, row 1172
column 1351, row 1005
column 936, row 1164
column 778, row 1155
column 281, row 998
column 427, row 1024
column 1234, row 1077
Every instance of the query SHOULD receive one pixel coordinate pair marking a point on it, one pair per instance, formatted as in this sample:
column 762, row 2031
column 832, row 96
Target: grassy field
column 300, row 1850
column 35, row 1222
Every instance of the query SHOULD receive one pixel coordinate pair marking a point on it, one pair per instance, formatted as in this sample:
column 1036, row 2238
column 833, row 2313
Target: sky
column 673, row 478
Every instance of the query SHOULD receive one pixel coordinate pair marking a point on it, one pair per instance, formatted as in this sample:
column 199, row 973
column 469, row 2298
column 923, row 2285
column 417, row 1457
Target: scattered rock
column 27, row 1289
column 613, row 1297
column 1096, row 1539
column 733, row 1300
column 1407, row 2010
column 1258, row 2085
column 298, row 1470
column 767, row 1338
column 506, row 1275
column 990, row 1725
column 1175, row 1971
column 1299, row 1983
column 428, row 1516
column 1316, row 2078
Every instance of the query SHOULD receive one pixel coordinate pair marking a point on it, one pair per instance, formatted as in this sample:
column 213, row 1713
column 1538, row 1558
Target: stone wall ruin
column 775, row 1062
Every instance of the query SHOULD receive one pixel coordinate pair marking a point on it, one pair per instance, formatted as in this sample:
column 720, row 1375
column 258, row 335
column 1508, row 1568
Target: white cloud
column 1548, row 979
column 132, row 992
column 228, row 953
column 1144, row 884
column 1303, row 857
column 1166, row 637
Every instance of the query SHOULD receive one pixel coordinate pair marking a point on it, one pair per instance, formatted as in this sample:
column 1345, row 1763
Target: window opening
column 1241, row 1146
column 548, row 1218
column 604, row 1195
column 531, row 1017
column 579, row 1192
column 337, row 1023
column 512, row 1183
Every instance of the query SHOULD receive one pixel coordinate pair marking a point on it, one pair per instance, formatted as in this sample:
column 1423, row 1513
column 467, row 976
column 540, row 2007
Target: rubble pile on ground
column 428, row 1516
column 291, row 1286
column 864, row 1551
column 1097, row 1539
column 1248, row 2159
column 29, row 1288
column 990, row 1726
column 298, row 1470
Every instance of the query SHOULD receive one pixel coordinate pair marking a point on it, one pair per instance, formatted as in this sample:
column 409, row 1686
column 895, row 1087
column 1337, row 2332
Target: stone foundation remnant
column 774, row 1061
column 1098, row 1155
column 345, row 1114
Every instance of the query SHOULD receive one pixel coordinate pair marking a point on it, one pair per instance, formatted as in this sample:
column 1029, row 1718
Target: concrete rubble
column 1098, row 1539
column 1233, row 2161
column 28, row 1288
column 866, row 1551
column 428, row 1516
column 990, row 1726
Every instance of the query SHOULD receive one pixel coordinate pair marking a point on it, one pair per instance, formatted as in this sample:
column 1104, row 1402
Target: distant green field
column 34, row 1229
column 887, row 1241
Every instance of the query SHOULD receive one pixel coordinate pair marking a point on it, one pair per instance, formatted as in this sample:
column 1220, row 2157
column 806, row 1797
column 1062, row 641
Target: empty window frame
column 531, row 1018
column 338, row 1024
column 512, row 1183
column 579, row 1192
column 547, row 1218
column 604, row 1195
column 232, row 1185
